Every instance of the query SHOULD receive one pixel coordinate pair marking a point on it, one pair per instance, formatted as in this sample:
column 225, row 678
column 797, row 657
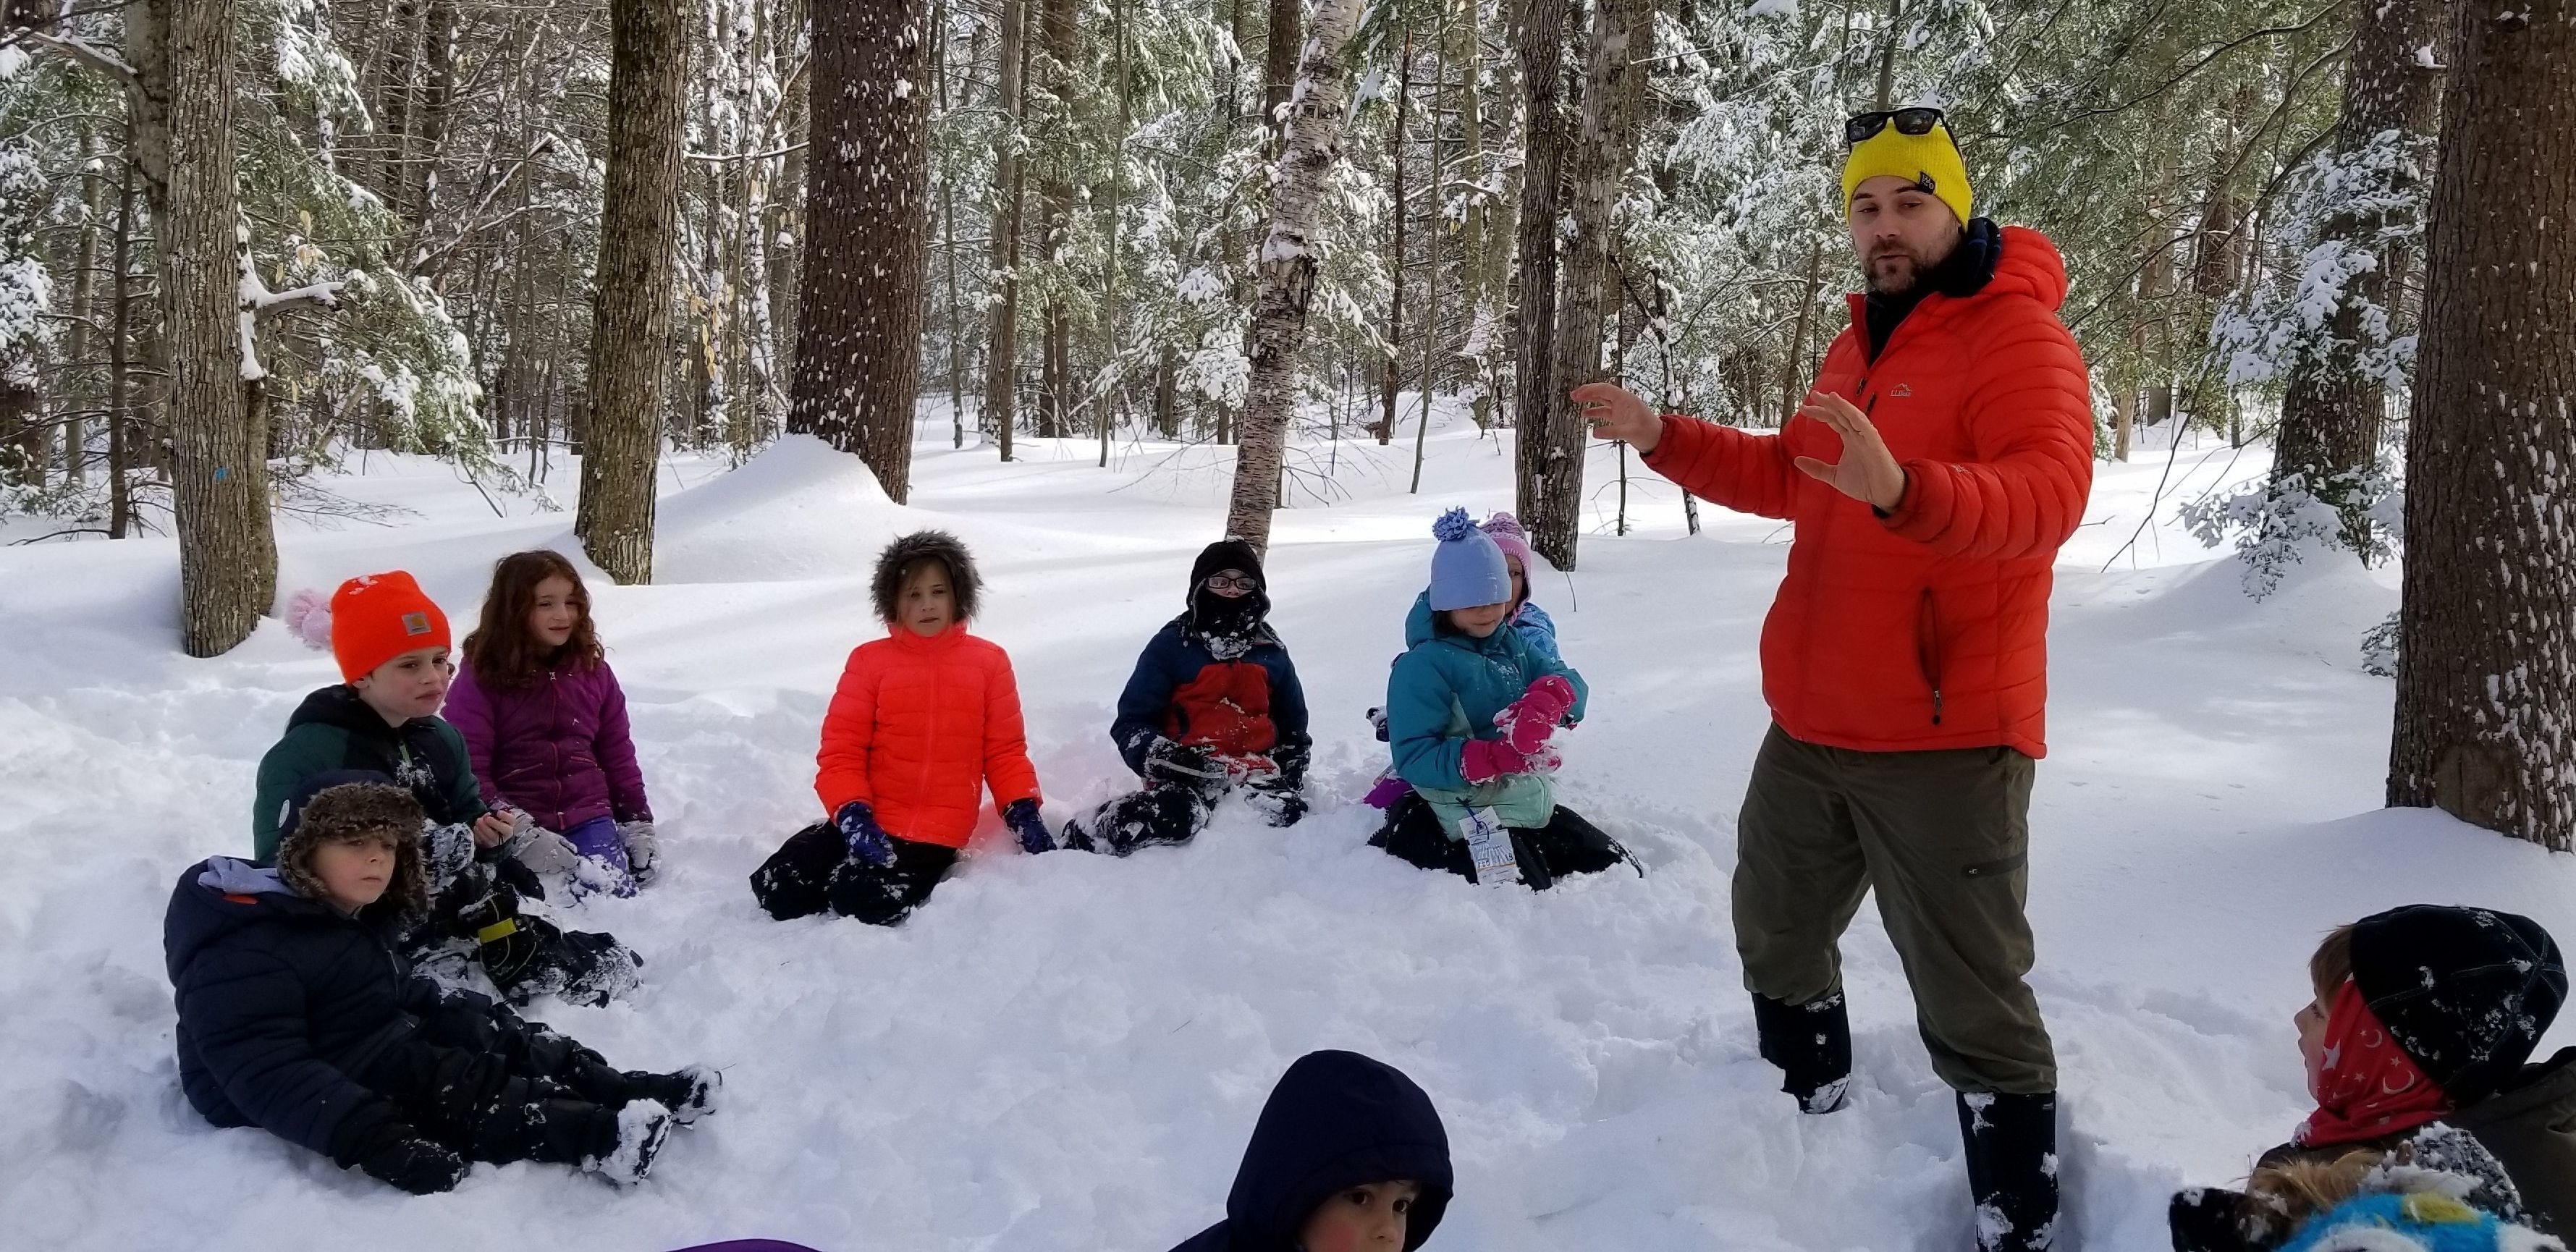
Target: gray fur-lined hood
column 963, row 581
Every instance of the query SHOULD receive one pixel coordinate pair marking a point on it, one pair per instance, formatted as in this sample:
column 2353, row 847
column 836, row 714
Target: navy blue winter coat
column 1249, row 705
column 1336, row 1120
column 281, row 999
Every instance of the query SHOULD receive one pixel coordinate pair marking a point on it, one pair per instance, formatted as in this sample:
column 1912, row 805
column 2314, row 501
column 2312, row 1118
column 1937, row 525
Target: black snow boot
column 2012, row 1168
column 1811, row 1043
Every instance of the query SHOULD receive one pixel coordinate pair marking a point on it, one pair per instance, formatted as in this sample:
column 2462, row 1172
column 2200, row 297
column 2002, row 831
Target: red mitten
column 1488, row 759
column 1532, row 718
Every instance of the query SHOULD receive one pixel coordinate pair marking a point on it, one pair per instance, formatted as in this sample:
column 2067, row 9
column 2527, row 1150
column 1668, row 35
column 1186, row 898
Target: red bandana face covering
column 2366, row 1086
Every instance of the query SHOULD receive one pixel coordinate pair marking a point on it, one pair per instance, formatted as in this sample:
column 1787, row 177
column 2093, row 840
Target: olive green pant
column 1945, row 838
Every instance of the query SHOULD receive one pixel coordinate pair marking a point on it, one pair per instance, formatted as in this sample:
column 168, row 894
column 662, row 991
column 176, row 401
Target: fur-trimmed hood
column 344, row 804
column 963, row 581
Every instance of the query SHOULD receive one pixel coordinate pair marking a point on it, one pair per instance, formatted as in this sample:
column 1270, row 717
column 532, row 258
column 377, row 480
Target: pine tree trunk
column 858, row 366
column 1622, row 36
column 438, row 85
column 2486, row 674
column 1287, row 269
column 84, row 306
column 1002, row 339
column 2332, row 412
column 120, row 339
column 1280, row 53
column 631, row 313
column 182, row 110
column 1055, row 217
column 1389, row 376
column 1540, row 475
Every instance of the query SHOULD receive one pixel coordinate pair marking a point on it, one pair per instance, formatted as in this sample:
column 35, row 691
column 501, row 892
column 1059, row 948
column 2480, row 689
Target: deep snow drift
column 1066, row 1052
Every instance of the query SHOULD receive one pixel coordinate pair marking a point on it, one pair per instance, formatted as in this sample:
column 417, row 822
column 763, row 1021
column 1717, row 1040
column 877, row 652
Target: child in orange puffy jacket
column 923, row 721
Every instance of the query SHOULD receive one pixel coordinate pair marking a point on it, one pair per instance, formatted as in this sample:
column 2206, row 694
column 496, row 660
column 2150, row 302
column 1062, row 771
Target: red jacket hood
column 2030, row 266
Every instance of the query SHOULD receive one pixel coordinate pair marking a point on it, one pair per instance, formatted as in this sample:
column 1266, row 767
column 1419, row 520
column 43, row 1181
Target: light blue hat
column 1467, row 568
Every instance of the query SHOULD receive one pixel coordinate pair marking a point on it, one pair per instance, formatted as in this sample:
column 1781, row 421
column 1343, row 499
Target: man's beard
column 1900, row 283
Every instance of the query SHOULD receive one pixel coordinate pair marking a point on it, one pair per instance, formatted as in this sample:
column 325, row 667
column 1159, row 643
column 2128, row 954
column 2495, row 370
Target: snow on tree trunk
column 858, row 366
column 2334, row 407
column 1542, row 166
column 182, row 111
column 1622, row 38
column 2486, row 674
column 631, row 318
column 1287, row 267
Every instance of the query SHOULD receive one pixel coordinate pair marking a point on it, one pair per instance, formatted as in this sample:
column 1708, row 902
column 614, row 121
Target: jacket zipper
column 1927, row 650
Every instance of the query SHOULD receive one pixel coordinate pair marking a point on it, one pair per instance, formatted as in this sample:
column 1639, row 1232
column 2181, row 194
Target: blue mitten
column 868, row 841
column 1031, row 828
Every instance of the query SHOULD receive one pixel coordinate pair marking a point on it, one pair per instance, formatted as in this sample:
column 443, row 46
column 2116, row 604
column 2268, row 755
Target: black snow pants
column 1568, row 844
column 471, row 1103
column 813, row 872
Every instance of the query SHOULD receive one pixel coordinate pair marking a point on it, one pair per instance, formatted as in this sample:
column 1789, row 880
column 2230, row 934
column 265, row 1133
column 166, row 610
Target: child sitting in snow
column 544, row 723
column 297, row 1015
column 1349, row 1155
column 1472, row 711
column 924, row 720
column 391, row 643
column 2414, row 1044
column 1213, row 704
column 1525, row 618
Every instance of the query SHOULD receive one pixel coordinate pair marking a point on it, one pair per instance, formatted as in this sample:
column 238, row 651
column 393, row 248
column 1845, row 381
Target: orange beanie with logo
column 377, row 617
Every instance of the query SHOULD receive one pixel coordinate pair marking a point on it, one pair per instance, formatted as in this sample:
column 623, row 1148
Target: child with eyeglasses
column 1214, row 706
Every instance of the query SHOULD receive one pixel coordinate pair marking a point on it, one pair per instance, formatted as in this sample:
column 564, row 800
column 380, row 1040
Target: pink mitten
column 1488, row 759
column 1532, row 718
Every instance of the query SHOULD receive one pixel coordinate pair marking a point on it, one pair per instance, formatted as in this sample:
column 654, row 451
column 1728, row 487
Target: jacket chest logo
column 1900, row 391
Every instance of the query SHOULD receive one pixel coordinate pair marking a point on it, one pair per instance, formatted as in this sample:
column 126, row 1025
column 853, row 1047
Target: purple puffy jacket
column 558, row 749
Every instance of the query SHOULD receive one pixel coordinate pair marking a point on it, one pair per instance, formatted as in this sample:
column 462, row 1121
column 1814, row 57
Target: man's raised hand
column 1614, row 412
column 1868, row 472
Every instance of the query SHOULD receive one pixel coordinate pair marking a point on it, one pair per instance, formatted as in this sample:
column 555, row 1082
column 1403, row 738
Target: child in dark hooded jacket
column 2423, row 1018
column 299, row 1015
column 1348, row 1154
column 1214, row 704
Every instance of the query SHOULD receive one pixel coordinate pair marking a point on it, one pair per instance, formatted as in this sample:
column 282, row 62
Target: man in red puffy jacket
column 1941, row 458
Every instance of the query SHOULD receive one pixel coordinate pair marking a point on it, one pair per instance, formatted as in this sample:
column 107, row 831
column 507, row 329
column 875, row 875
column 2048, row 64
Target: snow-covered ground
column 1066, row 1052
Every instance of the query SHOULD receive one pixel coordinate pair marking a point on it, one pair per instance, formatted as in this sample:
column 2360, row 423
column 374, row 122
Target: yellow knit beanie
column 1929, row 160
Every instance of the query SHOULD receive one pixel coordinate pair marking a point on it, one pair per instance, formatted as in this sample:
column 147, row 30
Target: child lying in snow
column 1472, row 711
column 1214, row 703
column 2422, row 1020
column 1349, row 1155
column 297, row 1015
column 545, row 727
column 391, row 643
column 922, row 722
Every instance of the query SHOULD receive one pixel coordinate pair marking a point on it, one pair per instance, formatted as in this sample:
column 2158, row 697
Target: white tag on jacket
column 1489, row 847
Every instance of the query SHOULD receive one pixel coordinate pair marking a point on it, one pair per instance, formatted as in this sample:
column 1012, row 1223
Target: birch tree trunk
column 1287, row 268
column 1622, row 36
column 182, row 102
column 2486, row 671
column 631, row 318
column 858, row 362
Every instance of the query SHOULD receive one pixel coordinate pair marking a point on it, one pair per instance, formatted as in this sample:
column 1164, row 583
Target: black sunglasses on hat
column 1915, row 121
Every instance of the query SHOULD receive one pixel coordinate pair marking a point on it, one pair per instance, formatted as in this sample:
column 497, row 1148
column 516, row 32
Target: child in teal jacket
column 1472, row 713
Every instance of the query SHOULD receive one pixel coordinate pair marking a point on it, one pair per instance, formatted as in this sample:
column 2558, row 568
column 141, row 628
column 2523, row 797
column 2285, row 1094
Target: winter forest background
column 723, row 293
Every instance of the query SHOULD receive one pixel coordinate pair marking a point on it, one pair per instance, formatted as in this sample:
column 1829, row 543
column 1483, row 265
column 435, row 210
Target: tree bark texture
column 1622, row 37
column 1287, row 269
column 631, row 311
column 1002, row 337
column 182, row 104
column 2332, row 412
column 858, row 366
column 1281, row 52
column 1541, row 480
column 2486, row 674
